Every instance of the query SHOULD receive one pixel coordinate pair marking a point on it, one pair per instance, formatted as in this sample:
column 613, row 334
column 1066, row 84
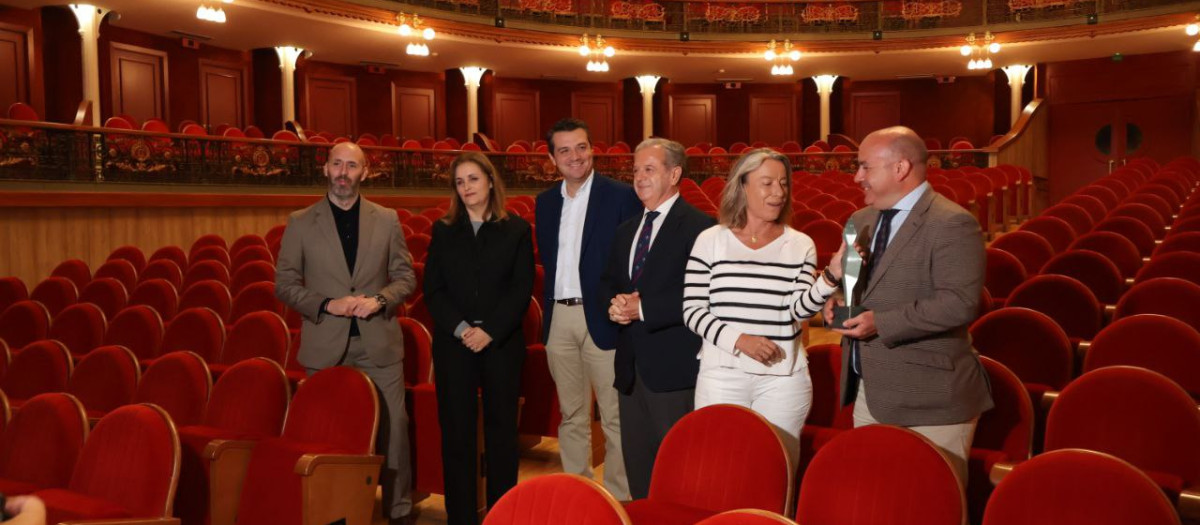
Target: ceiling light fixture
column 1193, row 29
column 980, row 50
column 413, row 28
column 212, row 14
column 781, row 59
column 597, row 54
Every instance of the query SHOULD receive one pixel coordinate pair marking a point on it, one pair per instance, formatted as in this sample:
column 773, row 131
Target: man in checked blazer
column 656, row 365
column 907, row 360
column 344, row 266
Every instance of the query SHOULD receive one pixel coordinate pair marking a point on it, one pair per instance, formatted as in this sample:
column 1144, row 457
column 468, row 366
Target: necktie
column 879, row 242
column 643, row 247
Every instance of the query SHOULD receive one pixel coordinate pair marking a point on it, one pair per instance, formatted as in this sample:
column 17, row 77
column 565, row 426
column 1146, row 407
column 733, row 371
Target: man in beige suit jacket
column 344, row 266
column 907, row 360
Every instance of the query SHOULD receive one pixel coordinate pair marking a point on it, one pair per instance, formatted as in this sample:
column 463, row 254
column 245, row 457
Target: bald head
column 891, row 164
column 347, row 150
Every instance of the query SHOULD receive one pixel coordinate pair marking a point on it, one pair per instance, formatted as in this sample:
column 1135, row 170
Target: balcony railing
column 55, row 152
column 784, row 16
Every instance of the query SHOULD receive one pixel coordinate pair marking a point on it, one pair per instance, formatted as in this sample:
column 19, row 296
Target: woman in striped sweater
column 751, row 280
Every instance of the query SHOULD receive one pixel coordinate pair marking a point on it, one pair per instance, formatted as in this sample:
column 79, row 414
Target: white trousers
column 784, row 401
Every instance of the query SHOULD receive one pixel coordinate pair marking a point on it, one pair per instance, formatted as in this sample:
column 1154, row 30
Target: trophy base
column 842, row 313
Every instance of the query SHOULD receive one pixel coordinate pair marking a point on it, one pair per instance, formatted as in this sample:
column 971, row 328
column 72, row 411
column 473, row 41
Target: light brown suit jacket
column 312, row 268
column 920, row 368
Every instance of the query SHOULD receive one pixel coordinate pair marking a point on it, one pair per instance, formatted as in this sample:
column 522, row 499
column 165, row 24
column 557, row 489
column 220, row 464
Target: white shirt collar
column 664, row 208
column 910, row 200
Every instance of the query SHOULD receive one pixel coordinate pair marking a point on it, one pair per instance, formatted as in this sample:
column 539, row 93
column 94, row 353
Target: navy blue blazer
column 609, row 204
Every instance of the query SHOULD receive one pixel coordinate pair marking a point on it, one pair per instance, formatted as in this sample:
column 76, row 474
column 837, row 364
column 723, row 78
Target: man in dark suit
column 656, row 363
column 344, row 266
column 907, row 360
column 576, row 220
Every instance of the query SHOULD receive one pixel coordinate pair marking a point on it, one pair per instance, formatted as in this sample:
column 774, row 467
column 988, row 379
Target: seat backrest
column 1078, row 487
column 882, row 475
column 210, row 239
column 198, row 330
column 747, row 517
column 1121, row 251
column 74, row 269
column 1027, row 342
column 259, row 334
column 1074, row 215
column 1134, row 414
column 106, row 378
column 1008, row 425
column 1004, row 273
column 109, row 294
column 22, row 111
column 1071, row 304
column 171, row 253
column 1182, row 265
column 557, row 498
column 418, row 351
column 138, row 328
column 1143, row 213
column 119, row 269
column 1094, row 207
column 80, row 327
column 1132, row 229
column 252, row 253
column 1055, row 230
column 142, row 483
column 1167, row 296
column 1181, row 242
column 211, row 253
column 38, row 368
column 42, row 441
column 825, row 369
column 55, row 293
column 1033, row 250
column 178, row 382
column 255, row 297
column 209, row 293
column 1156, row 342
column 1092, row 269
column 723, row 457
column 130, row 253
column 158, row 294
column 250, row 398
column 252, row 272
column 24, row 322
column 337, row 407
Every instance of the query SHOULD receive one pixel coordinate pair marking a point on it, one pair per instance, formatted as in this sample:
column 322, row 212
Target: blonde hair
column 496, row 211
column 733, row 197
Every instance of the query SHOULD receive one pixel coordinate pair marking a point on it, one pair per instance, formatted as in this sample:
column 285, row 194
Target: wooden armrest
column 1048, row 398
column 311, row 462
column 1083, row 347
column 1189, row 504
column 999, row 471
column 129, row 521
column 228, row 460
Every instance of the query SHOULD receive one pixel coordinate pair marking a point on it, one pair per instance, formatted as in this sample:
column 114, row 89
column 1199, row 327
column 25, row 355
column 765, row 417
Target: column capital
column 288, row 56
column 825, row 83
column 1016, row 73
column 472, row 75
column 89, row 17
column 647, row 83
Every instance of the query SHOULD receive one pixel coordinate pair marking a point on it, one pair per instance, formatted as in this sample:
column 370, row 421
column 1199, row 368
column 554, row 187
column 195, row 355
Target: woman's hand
column 476, row 339
column 760, row 349
column 834, row 270
column 25, row 510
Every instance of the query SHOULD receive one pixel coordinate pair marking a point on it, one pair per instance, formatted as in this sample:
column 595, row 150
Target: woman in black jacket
column 478, row 281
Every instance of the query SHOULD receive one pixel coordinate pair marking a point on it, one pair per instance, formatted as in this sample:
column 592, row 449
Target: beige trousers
column 578, row 367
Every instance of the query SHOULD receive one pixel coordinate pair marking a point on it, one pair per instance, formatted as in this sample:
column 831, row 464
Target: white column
column 471, row 77
column 89, row 17
column 1016, row 81
column 825, row 90
column 288, row 56
column 647, row 83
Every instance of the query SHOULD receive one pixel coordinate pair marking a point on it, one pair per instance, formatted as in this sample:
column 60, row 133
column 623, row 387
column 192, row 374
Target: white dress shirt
column 662, row 209
column 904, row 206
column 567, row 284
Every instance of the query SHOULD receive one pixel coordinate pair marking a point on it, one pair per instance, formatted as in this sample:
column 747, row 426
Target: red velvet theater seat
column 747, row 517
column 105, row 379
column 827, row 418
column 1181, row 265
column 41, row 367
column 1033, row 250
column 204, row 271
column 250, row 273
column 80, row 327
column 178, row 382
column 256, row 297
column 1004, row 434
column 205, row 241
column 107, row 293
column 1121, row 251
column 129, row 253
column 251, row 254
column 1004, row 273
column 127, row 469
column 1182, row 242
column 321, row 468
column 1056, row 231
column 258, row 334
column 24, row 322
column 118, row 269
column 1165, row 345
column 247, row 403
column 174, row 254
column 246, row 241
column 1078, row 487
column 718, row 458
column 1137, row 415
column 1030, row 344
column 1092, row 269
column 556, row 499
column 1074, row 215
column 164, row 269
column 12, row 291
column 1069, row 302
column 75, row 270
column 39, row 447
column 211, row 294
column 1167, row 296
column 1134, row 230
column 880, row 475
column 198, row 330
column 55, row 293
column 138, row 328
column 158, row 294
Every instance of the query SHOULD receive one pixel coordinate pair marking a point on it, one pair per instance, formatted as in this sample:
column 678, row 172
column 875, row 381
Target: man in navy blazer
column 656, row 363
column 576, row 220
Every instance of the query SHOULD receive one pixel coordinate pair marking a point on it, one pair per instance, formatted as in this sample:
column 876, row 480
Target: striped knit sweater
column 730, row 289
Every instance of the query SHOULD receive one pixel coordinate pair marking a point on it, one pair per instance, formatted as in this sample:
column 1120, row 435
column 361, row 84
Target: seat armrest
column 1048, row 398
column 338, row 486
column 1189, row 503
column 309, row 463
column 999, row 471
column 227, row 463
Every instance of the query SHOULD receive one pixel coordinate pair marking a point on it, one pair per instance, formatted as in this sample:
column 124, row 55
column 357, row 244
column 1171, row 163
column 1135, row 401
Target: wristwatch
column 379, row 298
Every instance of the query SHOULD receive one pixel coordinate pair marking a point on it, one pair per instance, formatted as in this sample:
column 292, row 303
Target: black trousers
column 646, row 416
column 464, row 379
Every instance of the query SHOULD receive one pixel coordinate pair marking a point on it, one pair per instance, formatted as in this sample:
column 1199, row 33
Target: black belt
column 574, row 301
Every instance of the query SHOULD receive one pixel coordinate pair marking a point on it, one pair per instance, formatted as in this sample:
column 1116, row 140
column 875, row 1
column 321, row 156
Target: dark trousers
column 646, row 416
column 459, row 374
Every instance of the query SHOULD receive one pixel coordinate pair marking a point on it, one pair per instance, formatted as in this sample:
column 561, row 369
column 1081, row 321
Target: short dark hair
column 567, row 124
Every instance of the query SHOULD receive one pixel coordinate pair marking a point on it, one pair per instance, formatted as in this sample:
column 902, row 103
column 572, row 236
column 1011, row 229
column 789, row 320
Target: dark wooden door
column 693, row 119
column 872, row 111
column 139, row 87
column 415, row 114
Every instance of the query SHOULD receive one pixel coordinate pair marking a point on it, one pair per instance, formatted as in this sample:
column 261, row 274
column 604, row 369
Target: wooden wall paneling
column 224, row 97
column 14, row 66
column 331, row 104
column 1136, row 76
column 692, row 118
column 516, row 115
column 414, row 112
column 600, row 112
column 872, row 111
column 138, row 80
column 773, row 119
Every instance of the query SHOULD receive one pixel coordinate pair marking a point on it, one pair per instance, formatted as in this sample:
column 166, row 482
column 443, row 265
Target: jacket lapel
column 596, row 202
column 366, row 230
column 324, row 218
column 912, row 224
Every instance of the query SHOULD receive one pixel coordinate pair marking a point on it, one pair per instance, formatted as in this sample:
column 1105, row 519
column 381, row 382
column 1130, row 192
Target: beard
column 343, row 192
